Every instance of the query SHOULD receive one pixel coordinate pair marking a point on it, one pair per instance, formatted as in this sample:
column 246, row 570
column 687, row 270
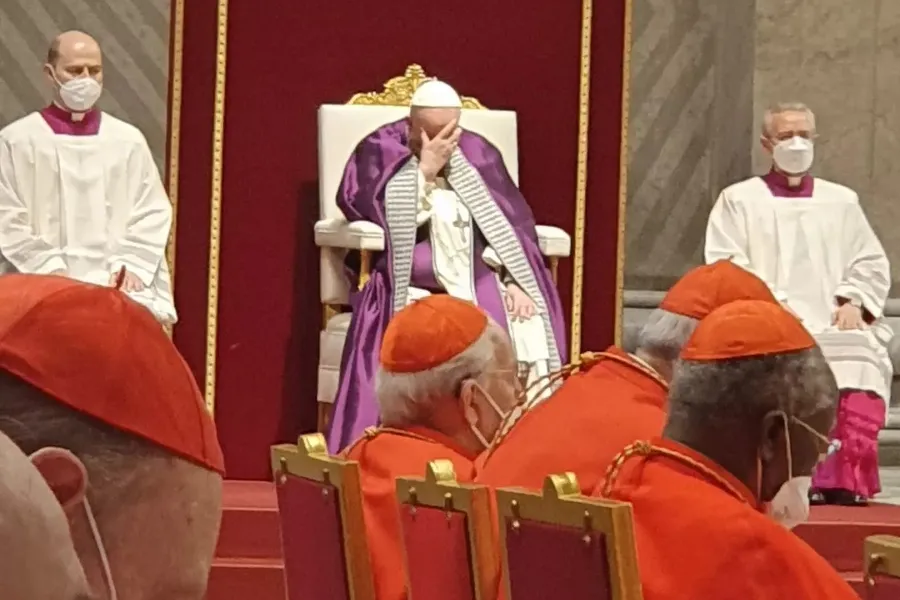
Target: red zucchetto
column 429, row 332
column 745, row 329
column 708, row 287
column 96, row 351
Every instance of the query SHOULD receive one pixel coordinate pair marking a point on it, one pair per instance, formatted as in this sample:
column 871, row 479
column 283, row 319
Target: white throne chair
column 341, row 128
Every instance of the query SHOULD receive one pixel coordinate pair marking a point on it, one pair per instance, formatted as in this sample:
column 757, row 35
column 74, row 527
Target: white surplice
column 85, row 205
column 452, row 247
column 811, row 252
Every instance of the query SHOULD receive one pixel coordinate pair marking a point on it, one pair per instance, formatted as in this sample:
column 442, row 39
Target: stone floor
column 890, row 485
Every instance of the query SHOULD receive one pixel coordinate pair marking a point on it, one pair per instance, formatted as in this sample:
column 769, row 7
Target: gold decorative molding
column 175, row 75
column 398, row 91
column 215, row 217
column 582, row 170
column 584, row 110
column 623, row 171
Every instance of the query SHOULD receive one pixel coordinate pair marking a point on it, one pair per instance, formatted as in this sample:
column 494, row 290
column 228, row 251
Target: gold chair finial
column 313, row 444
column 561, row 485
column 440, row 471
column 398, row 91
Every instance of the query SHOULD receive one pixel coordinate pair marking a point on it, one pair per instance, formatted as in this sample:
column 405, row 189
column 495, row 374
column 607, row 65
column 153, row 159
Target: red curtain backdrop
column 598, row 316
column 284, row 60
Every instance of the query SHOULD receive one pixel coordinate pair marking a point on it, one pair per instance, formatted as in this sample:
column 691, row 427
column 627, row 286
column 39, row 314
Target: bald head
column 44, row 564
column 70, row 43
column 73, row 55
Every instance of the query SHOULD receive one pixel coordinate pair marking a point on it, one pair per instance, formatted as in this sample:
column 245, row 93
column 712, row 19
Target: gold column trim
column 176, row 78
column 215, row 216
column 623, row 171
column 582, row 173
column 584, row 110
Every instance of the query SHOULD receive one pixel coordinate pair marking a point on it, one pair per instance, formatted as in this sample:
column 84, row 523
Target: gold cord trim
column 584, row 362
column 646, row 449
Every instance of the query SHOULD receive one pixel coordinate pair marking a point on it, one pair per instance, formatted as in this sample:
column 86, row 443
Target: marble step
column 889, row 440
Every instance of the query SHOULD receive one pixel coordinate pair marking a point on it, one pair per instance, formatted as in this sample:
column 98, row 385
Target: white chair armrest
column 358, row 235
column 553, row 241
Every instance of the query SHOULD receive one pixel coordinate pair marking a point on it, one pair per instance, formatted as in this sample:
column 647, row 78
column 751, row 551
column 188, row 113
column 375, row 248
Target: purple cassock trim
column 61, row 122
column 780, row 188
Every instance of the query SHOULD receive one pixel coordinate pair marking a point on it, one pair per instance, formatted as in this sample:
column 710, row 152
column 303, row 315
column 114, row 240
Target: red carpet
column 248, row 560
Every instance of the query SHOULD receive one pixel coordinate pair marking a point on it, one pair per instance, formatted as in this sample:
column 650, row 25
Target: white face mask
column 473, row 425
column 790, row 506
column 794, row 156
column 80, row 94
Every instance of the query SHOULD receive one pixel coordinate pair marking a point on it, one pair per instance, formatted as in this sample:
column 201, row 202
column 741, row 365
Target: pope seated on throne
column 455, row 223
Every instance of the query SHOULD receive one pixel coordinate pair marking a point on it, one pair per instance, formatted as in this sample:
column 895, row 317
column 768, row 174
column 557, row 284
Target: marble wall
column 134, row 35
column 842, row 59
column 690, row 128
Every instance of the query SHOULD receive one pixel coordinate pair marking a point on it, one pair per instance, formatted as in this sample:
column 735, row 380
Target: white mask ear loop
column 790, row 456
column 98, row 541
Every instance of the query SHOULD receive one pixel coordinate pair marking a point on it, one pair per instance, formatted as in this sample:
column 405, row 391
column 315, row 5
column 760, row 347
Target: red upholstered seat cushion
column 313, row 540
column 549, row 561
column 437, row 554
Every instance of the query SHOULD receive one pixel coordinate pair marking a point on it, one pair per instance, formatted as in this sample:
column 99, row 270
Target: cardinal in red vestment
column 751, row 403
column 447, row 377
column 615, row 397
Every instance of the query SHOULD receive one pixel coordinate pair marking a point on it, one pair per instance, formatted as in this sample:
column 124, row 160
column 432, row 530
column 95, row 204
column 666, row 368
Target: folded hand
column 848, row 317
column 518, row 304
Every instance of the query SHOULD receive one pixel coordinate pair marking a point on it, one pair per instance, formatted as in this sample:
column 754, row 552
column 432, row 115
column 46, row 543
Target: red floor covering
column 249, row 565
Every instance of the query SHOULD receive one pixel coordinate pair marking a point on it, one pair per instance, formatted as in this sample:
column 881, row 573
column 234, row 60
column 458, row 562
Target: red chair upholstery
column 560, row 544
column 446, row 529
column 882, row 563
column 322, row 529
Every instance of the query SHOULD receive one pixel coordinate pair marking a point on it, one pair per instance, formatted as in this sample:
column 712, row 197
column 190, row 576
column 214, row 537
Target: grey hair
column 783, row 107
column 665, row 334
column 118, row 464
column 405, row 398
column 738, row 391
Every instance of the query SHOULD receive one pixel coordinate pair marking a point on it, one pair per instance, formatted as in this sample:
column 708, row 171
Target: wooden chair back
column 447, row 528
column 560, row 544
column 882, row 567
column 322, row 529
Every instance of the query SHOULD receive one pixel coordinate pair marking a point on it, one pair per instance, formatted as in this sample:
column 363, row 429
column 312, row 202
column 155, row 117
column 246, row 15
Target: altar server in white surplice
column 80, row 195
column 810, row 241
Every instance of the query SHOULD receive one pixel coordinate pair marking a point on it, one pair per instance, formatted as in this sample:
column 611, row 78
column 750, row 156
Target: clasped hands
column 436, row 151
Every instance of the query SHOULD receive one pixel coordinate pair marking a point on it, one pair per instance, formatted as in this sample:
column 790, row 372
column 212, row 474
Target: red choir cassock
column 383, row 455
column 701, row 533
column 423, row 336
column 612, row 401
